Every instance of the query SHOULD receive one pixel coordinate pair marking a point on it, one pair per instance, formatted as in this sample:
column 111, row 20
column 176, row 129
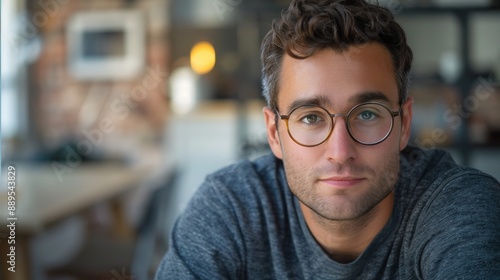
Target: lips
column 342, row 181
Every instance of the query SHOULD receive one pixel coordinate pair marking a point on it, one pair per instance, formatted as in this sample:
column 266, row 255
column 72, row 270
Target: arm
column 458, row 234
column 205, row 242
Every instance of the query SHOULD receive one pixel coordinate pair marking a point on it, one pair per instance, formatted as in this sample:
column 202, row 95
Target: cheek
column 376, row 156
column 298, row 155
column 299, row 161
column 300, row 164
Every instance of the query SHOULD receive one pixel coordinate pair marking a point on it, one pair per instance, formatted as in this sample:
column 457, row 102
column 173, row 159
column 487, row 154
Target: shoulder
column 210, row 237
column 263, row 168
column 455, row 228
column 238, row 190
column 443, row 181
column 244, row 178
column 437, row 183
column 463, row 195
column 432, row 172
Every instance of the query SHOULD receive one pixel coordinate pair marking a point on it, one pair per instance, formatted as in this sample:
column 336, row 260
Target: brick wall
column 115, row 116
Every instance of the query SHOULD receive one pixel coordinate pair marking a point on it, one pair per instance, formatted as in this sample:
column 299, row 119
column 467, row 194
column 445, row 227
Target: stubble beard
column 344, row 206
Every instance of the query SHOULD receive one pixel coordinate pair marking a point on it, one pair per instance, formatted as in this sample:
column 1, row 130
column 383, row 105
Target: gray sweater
column 244, row 223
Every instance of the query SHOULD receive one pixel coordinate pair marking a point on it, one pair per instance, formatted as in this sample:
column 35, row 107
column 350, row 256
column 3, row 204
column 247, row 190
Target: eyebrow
column 368, row 97
column 323, row 101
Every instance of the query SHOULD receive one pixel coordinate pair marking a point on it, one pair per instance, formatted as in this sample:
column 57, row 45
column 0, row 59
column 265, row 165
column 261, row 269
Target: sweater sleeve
column 458, row 233
column 205, row 242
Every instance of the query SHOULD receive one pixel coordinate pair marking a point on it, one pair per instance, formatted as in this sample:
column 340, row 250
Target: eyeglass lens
column 367, row 124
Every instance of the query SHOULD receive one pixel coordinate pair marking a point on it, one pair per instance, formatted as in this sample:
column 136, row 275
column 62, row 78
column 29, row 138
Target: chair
column 123, row 259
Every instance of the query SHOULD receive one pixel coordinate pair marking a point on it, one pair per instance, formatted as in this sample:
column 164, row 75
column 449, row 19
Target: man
column 342, row 196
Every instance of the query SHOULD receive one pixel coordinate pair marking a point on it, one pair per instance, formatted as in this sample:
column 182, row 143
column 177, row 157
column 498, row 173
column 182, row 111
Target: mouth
column 342, row 182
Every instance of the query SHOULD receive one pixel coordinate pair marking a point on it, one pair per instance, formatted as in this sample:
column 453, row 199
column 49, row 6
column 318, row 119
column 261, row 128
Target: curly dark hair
column 308, row 26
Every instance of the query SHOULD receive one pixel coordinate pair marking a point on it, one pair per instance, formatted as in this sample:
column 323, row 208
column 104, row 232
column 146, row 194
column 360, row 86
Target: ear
column 406, row 117
column 272, row 132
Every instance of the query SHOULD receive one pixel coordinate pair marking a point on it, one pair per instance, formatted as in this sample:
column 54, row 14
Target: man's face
column 340, row 179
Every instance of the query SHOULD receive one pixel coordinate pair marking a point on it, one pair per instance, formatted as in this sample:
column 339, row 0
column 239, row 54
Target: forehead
column 339, row 79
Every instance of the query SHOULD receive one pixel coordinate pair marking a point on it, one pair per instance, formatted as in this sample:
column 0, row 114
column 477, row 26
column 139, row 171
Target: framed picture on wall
column 106, row 45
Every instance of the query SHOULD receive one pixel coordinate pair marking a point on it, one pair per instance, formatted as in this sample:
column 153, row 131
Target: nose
column 340, row 145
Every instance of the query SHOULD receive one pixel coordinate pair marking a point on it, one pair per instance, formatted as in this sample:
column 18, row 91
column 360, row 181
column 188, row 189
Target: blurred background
column 113, row 112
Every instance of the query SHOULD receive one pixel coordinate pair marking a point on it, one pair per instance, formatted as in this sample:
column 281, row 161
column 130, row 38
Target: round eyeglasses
column 367, row 123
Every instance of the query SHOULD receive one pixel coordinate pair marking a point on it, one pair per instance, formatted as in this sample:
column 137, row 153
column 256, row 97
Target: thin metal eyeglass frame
column 346, row 119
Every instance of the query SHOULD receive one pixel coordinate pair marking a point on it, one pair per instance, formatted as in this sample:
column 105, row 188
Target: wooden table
column 42, row 199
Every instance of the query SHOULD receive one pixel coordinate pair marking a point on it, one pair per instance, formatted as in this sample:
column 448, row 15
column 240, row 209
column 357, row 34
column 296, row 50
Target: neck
column 344, row 241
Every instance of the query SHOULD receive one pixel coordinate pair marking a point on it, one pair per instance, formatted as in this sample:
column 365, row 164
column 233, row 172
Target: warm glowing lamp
column 202, row 58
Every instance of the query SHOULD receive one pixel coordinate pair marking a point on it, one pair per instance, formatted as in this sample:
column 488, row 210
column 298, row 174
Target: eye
column 309, row 116
column 311, row 119
column 367, row 115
